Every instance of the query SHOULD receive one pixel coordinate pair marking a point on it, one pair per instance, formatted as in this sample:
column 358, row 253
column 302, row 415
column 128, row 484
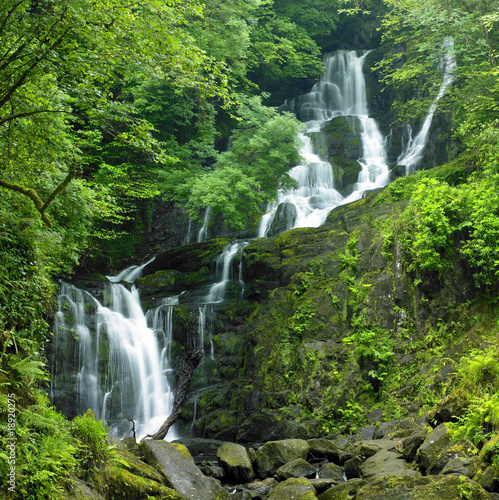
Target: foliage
column 262, row 151
column 93, row 447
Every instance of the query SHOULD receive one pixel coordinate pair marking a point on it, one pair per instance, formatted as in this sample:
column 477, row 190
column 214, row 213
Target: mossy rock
column 343, row 137
column 123, row 484
column 296, row 488
column 449, row 487
column 274, row 454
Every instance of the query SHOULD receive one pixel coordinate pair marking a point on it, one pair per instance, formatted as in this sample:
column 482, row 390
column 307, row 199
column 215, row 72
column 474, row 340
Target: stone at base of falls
column 235, row 461
column 295, row 488
column 123, row 484
column 450, row 487
column 181, row 473
column 274, row 454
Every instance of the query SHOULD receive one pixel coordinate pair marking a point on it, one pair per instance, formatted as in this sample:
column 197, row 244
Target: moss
column 183, row 450
column 123, row 484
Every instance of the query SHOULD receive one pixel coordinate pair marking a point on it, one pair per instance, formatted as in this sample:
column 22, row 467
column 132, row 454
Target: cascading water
column 122, row 362
column 413, row 153
column 225, row 272
column 341, row 92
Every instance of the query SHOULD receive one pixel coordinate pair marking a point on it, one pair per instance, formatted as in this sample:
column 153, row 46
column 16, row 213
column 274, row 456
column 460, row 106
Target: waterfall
column 122, row 362
column 203, row 232
column 414, row 151
column 341, row 92
column 225, row 272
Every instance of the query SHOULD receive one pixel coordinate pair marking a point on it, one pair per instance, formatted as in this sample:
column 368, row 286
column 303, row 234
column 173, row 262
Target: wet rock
column 386, row 463
column 342, row 491
column 274, row 454
column 434, row 444
column 411, row 443
column 177, row 466
column 235, row 461
column 295, row 488
column 284, row 219
column 296, row 468
column 331, row 471
column 415, row 488
column 262, row 488
column 454, row 451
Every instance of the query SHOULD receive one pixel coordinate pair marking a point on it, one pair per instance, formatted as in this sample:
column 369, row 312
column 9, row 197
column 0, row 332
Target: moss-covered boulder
column 120, row 483
column 331, row 471
column 296, row 468
column 459, row 451
column 236, row 463
column 343, row 137
column 274, row 454
column 343, row 491
column 386, row 463
column 433, row 446
column 449, row 487
column 296, row 488
column 181, row 473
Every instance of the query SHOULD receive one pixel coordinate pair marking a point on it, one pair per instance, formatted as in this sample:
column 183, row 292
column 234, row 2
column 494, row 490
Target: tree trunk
column 187, row 365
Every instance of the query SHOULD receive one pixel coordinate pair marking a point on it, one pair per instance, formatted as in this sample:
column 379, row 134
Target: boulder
column 434, row 444
column 262, row 488
column 344, row 490
column 295, row 488
column 176, row 464
column 411, row 443
column 234, row 459
column 462, row 466
column 121, row 483
column 140, row 468
column 296, row 468
column 449, row 487
column 454, row 451
column 386, row 463
column 284, row 219
column 331, row 471
column 329, row 449
column 274, row 454
column 369, row 447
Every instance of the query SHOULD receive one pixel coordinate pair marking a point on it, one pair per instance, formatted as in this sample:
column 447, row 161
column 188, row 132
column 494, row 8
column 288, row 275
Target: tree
column 62, row 64
column 263, row 149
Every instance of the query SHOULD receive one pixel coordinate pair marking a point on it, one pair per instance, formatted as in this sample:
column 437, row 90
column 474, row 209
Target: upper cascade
column 341, row 92
column 413, row 152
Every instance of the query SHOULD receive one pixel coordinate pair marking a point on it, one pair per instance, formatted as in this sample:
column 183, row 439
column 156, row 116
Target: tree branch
column 184, row 373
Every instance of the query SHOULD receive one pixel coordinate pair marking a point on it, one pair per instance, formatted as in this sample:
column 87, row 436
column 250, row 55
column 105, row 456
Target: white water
column 341, row 92
column 122, row 362
column 225, row 272
column 413, row 153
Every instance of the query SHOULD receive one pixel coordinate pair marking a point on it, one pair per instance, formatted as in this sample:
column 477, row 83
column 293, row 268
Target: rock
column 418, row 488
column 274, row 454
column 411, row 444
column 295, row 488
column 78, row 490
column 368, row 448
column 177, row 466
column 140, row 468
column 284, row 219
column 331, row 471
column 123, row 484
column 462, row 466
column 262, row 488
column 117, row 443
column 296, row 468
column 433, row 446
column 343, row 491
column 234, row 459
column 487, row 479
column 212, row 470
column 323, row 484
column 322, row 448
column 199, row 447
column 343, row 137
column 386, row 463
column 450, row 407
column 352, row 467
column 454, row 451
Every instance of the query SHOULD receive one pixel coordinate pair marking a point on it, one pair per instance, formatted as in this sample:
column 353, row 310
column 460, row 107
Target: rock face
column 178, row 467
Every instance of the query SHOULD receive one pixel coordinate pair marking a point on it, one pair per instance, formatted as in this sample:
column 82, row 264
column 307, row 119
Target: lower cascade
column 112, row 357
